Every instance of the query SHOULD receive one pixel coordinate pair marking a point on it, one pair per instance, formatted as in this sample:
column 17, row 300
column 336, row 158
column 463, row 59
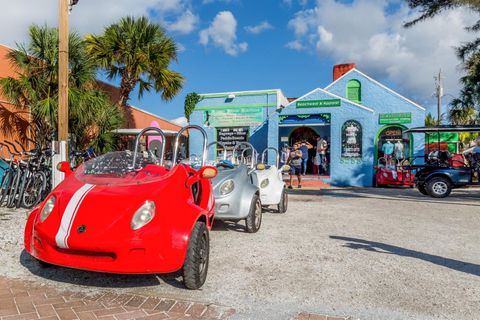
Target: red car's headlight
column 47, row 208
column 143, row 215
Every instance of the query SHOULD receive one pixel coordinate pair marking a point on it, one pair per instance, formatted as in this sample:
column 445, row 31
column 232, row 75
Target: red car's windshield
column 115, row 168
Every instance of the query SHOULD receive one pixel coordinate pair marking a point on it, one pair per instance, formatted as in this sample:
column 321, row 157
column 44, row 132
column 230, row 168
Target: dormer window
column 354, row 91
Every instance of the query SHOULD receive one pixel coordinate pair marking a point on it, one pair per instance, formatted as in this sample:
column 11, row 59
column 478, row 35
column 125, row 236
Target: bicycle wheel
column 34, row 188
column 12, row 194
column 26, row 176
column 5, row 187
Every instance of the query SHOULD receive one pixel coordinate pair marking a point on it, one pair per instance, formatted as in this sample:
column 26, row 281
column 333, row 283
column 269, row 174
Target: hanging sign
column 352, row 139
column 305, row 119
column 318, row 103
column 392, row 118
column 234, row 117
column 231, row 136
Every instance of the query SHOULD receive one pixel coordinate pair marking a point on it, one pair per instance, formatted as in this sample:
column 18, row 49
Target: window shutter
column 354, row 91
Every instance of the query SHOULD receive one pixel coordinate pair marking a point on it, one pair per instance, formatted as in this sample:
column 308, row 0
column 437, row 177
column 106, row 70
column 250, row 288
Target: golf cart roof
column 445, row 128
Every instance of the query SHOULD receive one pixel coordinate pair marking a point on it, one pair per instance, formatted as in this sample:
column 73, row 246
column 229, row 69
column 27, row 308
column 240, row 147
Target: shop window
column 393, row 144
column 354, row 91
column 352, row 140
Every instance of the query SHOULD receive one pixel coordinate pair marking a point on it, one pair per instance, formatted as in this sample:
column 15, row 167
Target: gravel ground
column 366, row 253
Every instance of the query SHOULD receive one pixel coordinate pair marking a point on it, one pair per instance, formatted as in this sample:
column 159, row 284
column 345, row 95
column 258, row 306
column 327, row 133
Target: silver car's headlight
column 227, row 187
column 143, row 215
column 264, row 183
column 47, row 208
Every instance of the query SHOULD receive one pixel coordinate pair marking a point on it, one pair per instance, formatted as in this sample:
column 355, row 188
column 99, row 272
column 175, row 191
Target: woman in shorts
column 295, row 163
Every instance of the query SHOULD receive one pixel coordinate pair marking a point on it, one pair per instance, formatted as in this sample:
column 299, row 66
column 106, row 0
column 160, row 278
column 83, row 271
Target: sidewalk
column 25, row 300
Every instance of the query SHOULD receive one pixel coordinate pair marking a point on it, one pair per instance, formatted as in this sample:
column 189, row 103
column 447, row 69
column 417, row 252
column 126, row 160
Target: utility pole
column 439, row 95
column 63, row 72
column 61, row 146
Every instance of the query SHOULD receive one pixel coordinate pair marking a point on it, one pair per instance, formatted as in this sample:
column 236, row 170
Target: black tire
column 283, row 205
column 34, row 189
column 5, row 188
column 254, row 218
column 439, row 187
column 422, row 189
column 21, row 188
column 12, row 194
column 195, row 267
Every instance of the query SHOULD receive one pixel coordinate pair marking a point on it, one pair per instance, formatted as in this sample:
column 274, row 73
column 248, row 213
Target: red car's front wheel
column 195, row 267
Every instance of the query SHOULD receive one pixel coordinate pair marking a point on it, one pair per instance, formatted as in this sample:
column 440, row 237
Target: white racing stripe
column 69, row 215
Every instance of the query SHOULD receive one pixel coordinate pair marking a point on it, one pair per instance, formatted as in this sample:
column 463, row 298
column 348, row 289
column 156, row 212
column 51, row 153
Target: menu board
column 231, row 136
column 351, row 139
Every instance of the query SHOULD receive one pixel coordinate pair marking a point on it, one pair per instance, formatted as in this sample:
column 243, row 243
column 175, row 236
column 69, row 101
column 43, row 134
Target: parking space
column 364, row 253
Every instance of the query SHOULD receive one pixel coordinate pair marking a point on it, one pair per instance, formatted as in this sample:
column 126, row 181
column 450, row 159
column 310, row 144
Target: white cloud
column 290, row 2
column 181, row 121
column 88, row 16
column 295, row 45
column 259, row 28
column 222, row 32
column 185, row 23
column 365, row 33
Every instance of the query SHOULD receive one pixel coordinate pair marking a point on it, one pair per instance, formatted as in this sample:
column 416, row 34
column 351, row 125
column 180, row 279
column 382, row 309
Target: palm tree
column 430, row 121
column 35, row 89
column 139, row 52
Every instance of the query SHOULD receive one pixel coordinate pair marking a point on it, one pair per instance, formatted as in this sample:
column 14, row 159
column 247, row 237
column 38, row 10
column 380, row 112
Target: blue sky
column 233, row 45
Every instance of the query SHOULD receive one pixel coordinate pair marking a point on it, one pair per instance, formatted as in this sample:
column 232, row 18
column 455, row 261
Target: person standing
column 295, row 163
column 284, row 154
column 304, row 147
column 322, row 147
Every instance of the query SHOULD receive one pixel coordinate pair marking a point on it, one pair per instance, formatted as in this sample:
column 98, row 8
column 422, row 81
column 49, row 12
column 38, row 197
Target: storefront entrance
column 291, row 135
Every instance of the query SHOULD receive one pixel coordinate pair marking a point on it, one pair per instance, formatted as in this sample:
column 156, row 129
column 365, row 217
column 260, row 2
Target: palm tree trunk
column 126, row 86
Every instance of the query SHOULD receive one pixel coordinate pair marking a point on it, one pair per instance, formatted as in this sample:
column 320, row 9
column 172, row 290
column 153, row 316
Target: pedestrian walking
column 284, row 154
column 295, row 163
column 304, row 147
column 321, row 153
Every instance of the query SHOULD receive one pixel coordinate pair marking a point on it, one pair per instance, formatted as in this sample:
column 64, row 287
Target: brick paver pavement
column 25, row 300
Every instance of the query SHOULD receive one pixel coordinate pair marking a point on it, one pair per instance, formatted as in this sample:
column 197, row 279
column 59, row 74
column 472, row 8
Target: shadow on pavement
column 222, row 225
column 96, row 279
column 458, row 197
column 379, row 247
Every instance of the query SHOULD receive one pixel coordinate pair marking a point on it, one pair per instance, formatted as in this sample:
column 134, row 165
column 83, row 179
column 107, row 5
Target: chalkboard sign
column 352, row 139
column 231, row 136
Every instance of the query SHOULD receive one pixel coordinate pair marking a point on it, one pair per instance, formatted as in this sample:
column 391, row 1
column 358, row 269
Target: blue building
column 355, row 114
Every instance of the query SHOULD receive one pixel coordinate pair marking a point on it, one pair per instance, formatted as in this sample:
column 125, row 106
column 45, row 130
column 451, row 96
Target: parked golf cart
column 442, row 170
column 237, row 197
column 270, row 182
column 125, row 212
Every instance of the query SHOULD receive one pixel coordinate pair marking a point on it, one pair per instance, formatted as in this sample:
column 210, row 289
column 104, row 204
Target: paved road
column 365, row 253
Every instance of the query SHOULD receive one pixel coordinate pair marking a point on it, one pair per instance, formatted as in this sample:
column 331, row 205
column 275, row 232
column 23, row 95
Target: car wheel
column 196, row 261
column 422, row 189
column 254, row 218
column 439, row 187
column 282, row 206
